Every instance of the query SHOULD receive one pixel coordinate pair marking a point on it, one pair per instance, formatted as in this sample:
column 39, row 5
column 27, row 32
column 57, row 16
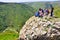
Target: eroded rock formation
column 47, row 28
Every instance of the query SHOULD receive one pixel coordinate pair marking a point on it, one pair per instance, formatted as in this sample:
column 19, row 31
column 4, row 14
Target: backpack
column 36, row 14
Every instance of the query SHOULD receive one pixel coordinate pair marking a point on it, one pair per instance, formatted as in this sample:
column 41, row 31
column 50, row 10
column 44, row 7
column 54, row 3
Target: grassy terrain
column 57, row 11
column 8, row 35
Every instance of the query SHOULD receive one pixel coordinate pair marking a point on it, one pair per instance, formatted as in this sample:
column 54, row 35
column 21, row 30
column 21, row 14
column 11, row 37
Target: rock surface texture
column 36, row 28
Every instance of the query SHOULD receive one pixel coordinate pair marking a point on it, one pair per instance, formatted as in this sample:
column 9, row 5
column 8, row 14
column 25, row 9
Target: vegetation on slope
column 14, row 15
column 12, row 18
column 8, row 35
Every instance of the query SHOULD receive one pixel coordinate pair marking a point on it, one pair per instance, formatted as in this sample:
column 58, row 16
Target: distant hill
column 14, row 15
column 38, row 5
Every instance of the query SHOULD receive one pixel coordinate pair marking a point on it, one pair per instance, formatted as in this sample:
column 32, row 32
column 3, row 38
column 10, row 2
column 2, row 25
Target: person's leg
column 51, row 14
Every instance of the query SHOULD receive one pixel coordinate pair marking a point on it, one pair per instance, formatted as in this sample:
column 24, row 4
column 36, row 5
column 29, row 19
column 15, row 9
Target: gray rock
column 41, row 29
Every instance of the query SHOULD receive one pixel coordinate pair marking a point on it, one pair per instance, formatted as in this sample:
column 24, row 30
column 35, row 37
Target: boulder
column 37, row 28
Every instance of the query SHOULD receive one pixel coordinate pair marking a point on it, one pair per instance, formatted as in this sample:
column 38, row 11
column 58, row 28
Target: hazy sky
column 24, row 0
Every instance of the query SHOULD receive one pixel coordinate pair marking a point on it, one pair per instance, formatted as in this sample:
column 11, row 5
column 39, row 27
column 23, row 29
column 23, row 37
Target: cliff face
column 47, row 28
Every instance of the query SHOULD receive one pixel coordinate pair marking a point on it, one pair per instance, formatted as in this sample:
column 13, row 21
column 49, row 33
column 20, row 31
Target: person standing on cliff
column 52, row 8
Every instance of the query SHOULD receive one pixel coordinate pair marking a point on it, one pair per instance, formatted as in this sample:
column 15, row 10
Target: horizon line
column 29, row 1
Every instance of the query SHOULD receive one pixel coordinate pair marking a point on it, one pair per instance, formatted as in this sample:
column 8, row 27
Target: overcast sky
column 24, row 0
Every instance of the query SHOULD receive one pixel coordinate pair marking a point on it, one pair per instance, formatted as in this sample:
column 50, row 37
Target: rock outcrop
column 36, row 28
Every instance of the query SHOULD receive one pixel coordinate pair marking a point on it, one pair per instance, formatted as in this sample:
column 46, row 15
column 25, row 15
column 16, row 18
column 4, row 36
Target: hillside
column 12, row 17
column 38, row 5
